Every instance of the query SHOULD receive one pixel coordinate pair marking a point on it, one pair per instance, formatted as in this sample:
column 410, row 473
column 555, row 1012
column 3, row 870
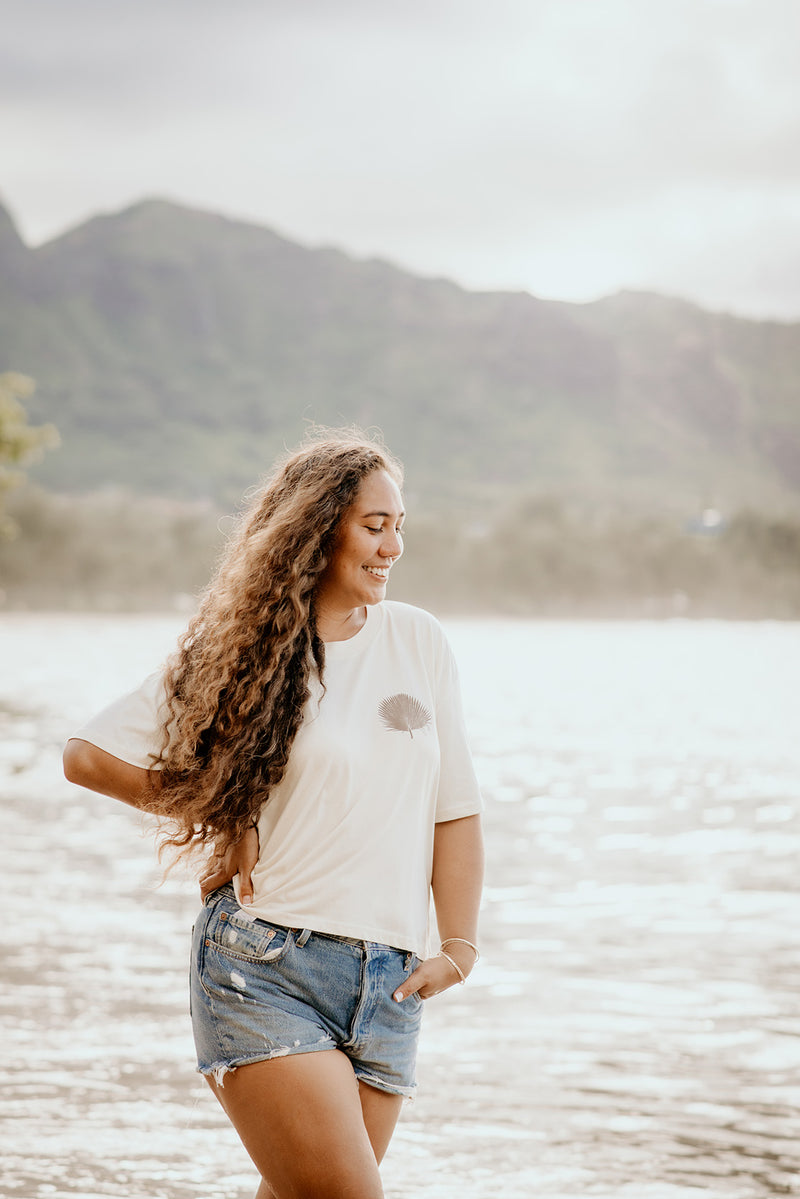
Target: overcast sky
column 567, row 147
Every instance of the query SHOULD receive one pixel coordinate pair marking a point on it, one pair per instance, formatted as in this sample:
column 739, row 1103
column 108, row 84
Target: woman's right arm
column 97, row 770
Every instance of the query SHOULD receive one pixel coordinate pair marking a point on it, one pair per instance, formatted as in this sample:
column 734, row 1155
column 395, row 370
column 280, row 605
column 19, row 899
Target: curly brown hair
column 238, row 682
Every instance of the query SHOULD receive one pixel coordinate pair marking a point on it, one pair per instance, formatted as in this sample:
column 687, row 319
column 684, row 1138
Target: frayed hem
column 219, row 1070
column 371, row 1080
column 217, row 1073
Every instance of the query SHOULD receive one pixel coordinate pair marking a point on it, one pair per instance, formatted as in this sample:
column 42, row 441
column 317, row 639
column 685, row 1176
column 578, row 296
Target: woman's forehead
column 379, row 495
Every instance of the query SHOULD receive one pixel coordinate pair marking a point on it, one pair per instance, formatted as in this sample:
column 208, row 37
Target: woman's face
column 367, row 544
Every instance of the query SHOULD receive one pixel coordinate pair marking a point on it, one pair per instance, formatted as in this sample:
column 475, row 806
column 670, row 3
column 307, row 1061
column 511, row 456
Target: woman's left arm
column 456, row 883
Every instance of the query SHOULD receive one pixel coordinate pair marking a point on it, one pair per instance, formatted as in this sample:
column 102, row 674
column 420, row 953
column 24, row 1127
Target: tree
column 20, row 443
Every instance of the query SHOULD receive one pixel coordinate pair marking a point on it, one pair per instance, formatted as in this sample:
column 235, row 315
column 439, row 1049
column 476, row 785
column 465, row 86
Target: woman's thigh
column 302, row 1121
column 380, row 1110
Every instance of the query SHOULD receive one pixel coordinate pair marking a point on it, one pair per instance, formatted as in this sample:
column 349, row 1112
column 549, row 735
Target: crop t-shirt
column 381, row 755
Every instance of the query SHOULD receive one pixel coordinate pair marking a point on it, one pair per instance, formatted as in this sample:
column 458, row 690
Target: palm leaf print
column 402, row 713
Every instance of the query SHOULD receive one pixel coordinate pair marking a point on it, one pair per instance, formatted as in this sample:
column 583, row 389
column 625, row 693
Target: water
column 634, row 1026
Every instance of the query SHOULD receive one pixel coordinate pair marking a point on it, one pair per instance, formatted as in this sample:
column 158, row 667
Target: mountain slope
column 178, row 351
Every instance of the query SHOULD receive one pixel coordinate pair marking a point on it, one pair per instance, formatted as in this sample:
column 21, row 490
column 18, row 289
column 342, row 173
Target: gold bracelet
column 463, row 941
column 461, row 976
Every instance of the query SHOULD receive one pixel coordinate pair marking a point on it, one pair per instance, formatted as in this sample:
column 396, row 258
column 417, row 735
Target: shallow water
column 634, row 1026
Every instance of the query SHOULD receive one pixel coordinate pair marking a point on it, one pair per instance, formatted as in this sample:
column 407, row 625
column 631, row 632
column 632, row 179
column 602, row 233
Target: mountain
column 177, row 351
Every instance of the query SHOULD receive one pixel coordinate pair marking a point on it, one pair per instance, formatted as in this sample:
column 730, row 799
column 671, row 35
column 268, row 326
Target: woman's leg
column 311, row 1131
column 380, row 1111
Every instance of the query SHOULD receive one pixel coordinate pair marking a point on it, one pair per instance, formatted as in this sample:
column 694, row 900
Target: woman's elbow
column 77, row 761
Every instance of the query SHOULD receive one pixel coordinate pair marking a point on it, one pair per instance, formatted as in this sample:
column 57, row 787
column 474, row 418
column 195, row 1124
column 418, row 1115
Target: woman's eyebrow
column 388, row 515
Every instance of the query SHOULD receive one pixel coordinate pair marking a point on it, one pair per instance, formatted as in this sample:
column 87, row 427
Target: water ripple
column 633, row 1031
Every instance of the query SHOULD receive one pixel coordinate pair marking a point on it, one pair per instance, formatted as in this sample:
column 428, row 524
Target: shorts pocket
column 247, row 938
column 410, row 964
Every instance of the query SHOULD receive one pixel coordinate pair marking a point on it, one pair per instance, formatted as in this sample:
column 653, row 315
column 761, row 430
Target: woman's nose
column 392, row 545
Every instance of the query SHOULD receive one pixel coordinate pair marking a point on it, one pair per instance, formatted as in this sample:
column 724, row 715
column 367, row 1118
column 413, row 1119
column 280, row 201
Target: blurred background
column 551, row 249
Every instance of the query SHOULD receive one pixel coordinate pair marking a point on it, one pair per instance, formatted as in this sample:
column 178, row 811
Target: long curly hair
column 238, row 681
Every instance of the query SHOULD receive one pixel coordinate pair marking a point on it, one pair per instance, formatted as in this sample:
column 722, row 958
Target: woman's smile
column 370, row 529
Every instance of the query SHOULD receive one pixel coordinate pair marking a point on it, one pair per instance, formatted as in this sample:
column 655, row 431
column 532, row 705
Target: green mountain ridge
column 178, row 351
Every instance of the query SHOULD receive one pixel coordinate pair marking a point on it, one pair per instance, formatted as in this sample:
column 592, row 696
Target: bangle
column 463, row 941
column 461, row 976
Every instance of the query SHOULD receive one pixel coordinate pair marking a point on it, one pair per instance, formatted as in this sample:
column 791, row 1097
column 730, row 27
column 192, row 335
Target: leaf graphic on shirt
column 403, row 713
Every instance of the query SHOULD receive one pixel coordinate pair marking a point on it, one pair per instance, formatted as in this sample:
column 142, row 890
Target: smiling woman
column 269, row 745
column 368, row 543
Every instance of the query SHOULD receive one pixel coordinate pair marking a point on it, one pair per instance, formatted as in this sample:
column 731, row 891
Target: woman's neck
column 336, row 625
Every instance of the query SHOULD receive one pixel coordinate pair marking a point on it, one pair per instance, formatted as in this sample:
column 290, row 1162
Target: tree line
column 537, row 556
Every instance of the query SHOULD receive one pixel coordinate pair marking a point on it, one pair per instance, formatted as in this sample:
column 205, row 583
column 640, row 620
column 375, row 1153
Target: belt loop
column 301, row 940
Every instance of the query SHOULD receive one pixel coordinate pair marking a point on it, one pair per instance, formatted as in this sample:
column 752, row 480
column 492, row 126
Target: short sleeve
column 130, row 728
column 458, row 794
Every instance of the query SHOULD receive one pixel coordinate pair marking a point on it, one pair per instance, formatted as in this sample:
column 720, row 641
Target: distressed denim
column 260, row 991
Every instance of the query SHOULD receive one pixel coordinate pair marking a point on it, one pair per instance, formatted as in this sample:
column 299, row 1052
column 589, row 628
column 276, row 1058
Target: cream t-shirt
column 380, row 757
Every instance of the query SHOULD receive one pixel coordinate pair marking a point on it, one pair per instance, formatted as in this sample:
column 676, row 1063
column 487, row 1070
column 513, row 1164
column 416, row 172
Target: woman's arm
column 456, row 884
column 97, row 770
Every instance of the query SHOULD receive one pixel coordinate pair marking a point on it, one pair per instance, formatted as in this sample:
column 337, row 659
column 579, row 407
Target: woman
column 307, row 738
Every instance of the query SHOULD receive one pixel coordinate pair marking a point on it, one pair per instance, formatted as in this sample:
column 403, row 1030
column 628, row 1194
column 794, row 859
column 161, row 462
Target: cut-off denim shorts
column 260, row 991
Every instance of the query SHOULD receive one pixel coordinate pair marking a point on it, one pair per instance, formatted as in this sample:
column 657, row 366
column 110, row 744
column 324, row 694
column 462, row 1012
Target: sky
column 570, row 148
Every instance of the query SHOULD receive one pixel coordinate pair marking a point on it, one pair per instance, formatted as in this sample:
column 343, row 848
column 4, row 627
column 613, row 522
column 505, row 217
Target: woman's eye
column 371, row 530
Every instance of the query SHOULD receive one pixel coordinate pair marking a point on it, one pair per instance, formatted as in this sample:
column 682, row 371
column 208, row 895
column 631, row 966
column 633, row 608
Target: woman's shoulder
column 400, row 610
column 414, row 622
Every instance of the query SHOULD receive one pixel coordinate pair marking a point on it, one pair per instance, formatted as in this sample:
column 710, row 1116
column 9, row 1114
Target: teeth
column 379, row 572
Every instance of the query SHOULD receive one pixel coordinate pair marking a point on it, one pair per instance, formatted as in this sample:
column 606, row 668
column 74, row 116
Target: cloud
column 570, row 148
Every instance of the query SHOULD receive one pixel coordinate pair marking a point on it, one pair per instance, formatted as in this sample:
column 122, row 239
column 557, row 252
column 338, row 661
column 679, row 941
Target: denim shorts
column 259, row 991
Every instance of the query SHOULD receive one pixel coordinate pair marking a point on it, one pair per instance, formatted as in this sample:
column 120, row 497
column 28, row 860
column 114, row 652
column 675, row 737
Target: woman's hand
column 239, row 858
column 456, row 885
column 436, row 974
